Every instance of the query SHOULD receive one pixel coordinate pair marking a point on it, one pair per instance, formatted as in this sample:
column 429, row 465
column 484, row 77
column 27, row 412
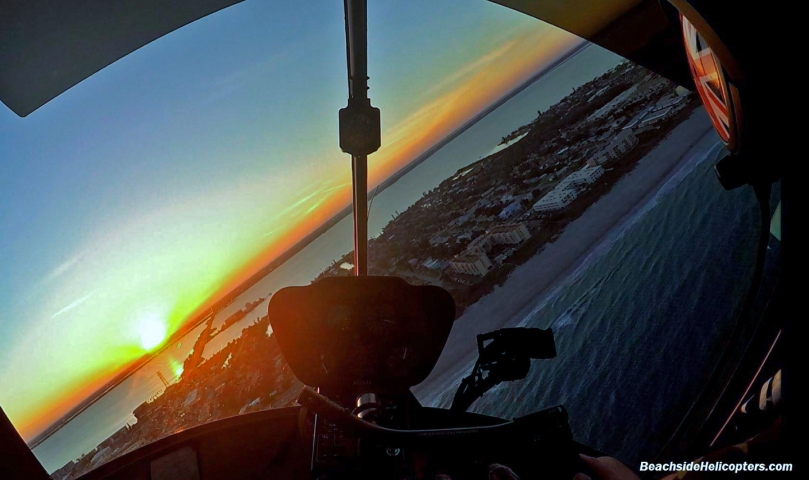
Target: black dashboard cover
column 352, row 333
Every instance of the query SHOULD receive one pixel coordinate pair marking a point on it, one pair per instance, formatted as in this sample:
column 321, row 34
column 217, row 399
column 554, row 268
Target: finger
column 593, row 463
column 581, row 476
column 608, row 467
column 501, row 472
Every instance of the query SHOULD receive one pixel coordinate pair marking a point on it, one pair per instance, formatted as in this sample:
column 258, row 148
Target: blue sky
column 145, row 188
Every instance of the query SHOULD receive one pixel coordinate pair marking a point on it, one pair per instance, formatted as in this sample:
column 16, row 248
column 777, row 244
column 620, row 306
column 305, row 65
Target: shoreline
column 534, row 282
column 230, row 297
column 478, row 117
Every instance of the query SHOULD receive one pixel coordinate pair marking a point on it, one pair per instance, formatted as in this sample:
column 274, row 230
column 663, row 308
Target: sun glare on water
column 152, row 332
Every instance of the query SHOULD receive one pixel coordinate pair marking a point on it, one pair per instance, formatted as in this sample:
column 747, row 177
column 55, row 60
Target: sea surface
column 631, row 327
column 637, row 325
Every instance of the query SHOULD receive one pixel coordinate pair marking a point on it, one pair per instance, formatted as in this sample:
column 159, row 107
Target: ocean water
column 636, row 326
column 114, row 410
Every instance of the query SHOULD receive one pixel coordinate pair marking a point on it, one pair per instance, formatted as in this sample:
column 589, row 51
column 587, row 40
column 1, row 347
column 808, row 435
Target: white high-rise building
column 482, row 244
column 510, row 233
column 587, row 174
column 568, row 188
column 556, row 199
column 472, row 264
column 622, row 143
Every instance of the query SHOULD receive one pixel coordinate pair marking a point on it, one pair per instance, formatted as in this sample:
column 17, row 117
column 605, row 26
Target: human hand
column 501, row 472
column 606, row 468
column 496, row 472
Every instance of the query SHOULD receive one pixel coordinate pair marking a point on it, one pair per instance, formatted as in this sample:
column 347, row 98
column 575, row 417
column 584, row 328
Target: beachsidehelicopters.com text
column 714, row 467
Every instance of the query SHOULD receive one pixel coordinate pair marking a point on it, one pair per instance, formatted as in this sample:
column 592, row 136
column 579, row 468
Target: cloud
column 305, row 199
column 62, row 269
column 315, row 205
column 472, row 67
column 270, row 232
column 226, row 85
column 73, row 305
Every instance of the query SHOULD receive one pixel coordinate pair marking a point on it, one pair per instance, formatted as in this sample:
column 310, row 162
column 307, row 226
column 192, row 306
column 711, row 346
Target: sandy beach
column 531, row 282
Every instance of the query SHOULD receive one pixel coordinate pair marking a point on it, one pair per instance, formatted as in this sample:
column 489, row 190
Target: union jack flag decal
column 709, row 79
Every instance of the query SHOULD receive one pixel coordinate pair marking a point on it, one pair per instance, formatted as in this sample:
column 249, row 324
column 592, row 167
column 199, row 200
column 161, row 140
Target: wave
column 615, row 235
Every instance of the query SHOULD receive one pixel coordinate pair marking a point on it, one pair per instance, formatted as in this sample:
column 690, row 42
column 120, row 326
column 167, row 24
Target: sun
column 152, row 332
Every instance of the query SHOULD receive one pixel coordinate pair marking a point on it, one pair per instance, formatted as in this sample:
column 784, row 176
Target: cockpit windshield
column 150, row 213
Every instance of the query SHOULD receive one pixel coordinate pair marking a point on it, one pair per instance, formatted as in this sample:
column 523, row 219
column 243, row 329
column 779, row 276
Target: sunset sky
column 130, row 200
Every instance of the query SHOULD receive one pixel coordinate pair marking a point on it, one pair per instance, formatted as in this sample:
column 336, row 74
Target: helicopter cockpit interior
column 361, row 344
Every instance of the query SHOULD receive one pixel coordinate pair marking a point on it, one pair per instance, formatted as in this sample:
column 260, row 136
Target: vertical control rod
column 359, row 124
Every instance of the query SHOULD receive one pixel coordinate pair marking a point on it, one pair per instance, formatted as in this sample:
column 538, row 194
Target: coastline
column 229, row 298
column 480, row 116
column 536, row 280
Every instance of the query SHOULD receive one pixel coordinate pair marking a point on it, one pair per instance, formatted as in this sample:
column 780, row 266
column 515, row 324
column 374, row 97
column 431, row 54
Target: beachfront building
column 585, row 175
column 670, row 101
column 618, row 147
column 648, row 119
column 511, row 210
column 482, row 244
column 510, row 233
column 579, row 179
column 556, row 199
column 472, row 264
column 569, row 188
column 651, row 116
column 633, row 124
